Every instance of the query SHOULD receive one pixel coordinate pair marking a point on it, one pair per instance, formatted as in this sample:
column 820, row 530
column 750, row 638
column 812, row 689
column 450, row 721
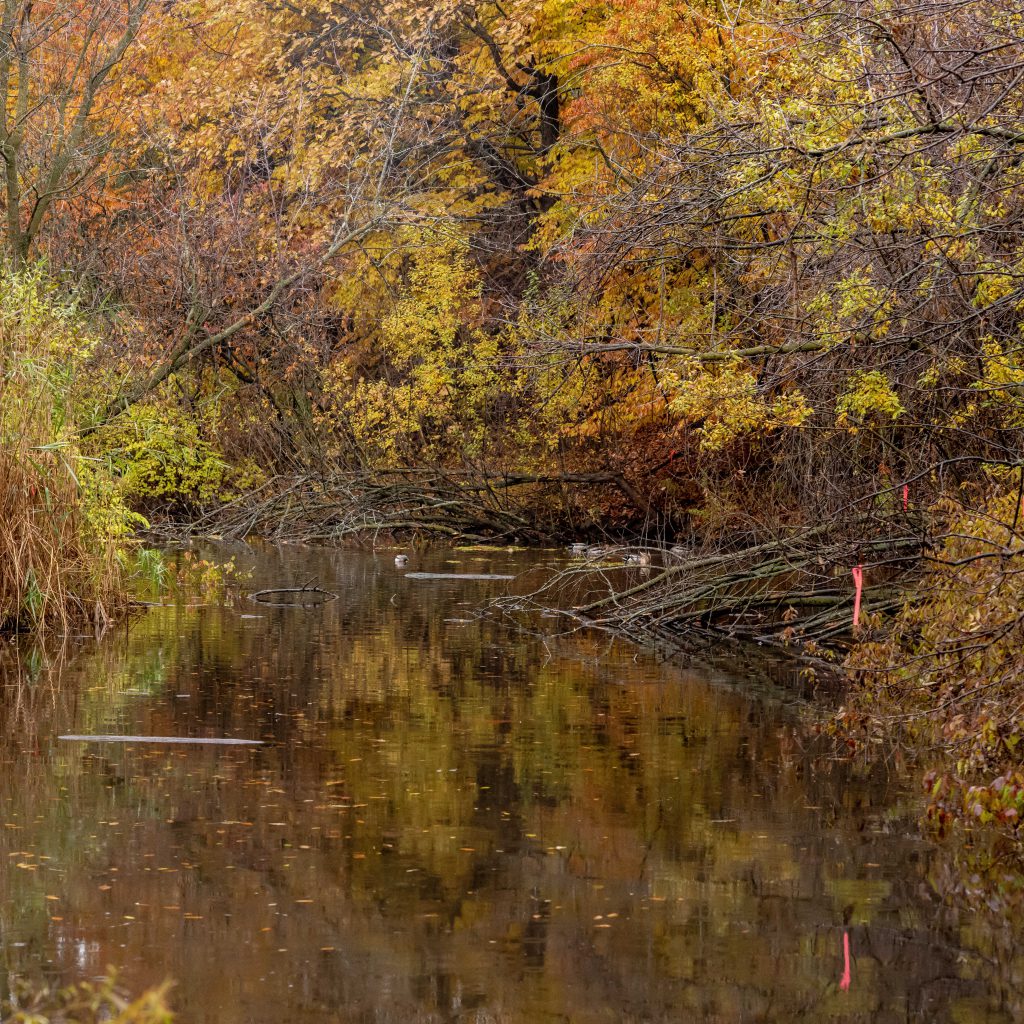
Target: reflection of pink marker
column 906, row 497
column 858, row 582
column 845, row 983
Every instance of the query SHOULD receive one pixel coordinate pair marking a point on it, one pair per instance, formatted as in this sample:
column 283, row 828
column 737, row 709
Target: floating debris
column 209, row 741
column 457, row 576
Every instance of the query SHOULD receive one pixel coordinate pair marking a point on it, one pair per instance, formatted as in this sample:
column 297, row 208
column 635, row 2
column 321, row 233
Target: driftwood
column 457, row 576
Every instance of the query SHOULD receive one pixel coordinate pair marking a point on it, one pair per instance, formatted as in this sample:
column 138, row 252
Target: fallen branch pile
column 793, row 589
column 458, row 505
column 345, row 505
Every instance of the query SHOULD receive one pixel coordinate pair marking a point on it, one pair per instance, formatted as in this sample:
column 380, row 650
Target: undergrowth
column 166, row 462
column 945, row 677
column 62, row 516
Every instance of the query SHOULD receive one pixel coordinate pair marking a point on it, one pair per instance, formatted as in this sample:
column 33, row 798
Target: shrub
column 61, row 516
column 163, row 458
column 947, row 675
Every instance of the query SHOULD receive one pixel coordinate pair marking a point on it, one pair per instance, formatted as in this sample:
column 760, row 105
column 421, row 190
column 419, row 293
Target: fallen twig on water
column 261, row 596
column 209, row 741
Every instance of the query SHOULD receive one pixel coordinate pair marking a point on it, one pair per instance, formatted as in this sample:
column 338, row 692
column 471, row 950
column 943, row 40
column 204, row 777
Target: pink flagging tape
column 906, row 497
column 844, row 984
column 858, row 582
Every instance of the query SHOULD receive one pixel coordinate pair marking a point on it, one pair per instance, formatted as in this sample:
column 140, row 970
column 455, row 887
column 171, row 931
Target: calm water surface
column 452, row 821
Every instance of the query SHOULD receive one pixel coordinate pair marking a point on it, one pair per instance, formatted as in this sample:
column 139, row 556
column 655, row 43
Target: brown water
column 452, row 821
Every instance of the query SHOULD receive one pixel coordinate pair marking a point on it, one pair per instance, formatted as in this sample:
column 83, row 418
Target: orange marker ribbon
column 906, row 497
column 858, row 582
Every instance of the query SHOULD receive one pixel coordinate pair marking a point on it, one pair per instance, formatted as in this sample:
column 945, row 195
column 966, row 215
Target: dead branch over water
column 790, row 586
column 428, row 502
column 794, row 588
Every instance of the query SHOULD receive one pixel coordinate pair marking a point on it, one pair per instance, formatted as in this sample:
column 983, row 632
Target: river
column 453, row 820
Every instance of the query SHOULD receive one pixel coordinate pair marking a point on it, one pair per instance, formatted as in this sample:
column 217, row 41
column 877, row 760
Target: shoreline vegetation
column 738, row 291
column 60, row 519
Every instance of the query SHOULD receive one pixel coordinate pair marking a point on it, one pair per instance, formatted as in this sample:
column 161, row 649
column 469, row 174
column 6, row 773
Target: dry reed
column 54, row 568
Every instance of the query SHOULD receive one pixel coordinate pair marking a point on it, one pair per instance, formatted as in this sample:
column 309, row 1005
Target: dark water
column 451, row 821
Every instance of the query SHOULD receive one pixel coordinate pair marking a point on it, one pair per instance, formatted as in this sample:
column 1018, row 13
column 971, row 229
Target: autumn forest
column 734, row 291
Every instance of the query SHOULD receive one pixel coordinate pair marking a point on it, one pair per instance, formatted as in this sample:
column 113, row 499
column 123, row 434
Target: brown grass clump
column 49, row 572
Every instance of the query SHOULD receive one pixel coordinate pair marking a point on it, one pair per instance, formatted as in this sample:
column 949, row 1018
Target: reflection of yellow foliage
column 91, row 1002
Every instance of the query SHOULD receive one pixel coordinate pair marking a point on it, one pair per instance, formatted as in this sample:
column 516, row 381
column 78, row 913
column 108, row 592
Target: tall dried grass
column 56, row 568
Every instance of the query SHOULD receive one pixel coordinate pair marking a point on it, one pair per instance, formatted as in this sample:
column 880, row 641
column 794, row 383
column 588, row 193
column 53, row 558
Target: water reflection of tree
column 477, row 824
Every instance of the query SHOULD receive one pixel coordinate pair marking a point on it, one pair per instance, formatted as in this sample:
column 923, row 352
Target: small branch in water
column 261, row 596
column 457, row 576
column 206, row 741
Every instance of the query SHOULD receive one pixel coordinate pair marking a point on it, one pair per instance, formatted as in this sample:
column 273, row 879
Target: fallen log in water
column 264, row 596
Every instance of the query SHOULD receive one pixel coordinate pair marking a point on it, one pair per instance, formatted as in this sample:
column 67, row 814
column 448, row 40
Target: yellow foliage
column 160, row 455
column 62, row 515
column 444, row 373
column 726, row 405
column 869, row 397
